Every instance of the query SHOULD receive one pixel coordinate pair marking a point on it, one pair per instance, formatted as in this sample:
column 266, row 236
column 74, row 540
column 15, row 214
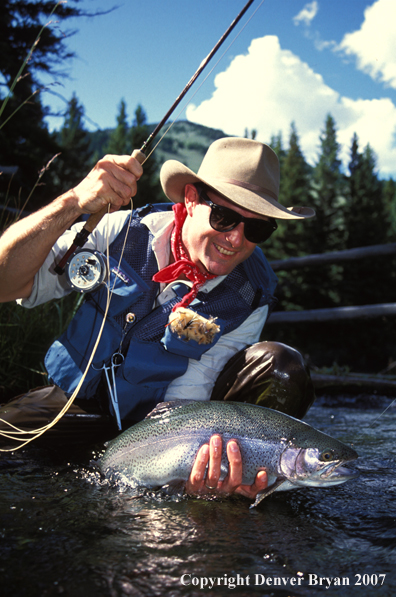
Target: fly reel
column 86, row 270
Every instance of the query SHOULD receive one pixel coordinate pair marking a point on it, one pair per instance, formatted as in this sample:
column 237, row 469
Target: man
column 201, row 255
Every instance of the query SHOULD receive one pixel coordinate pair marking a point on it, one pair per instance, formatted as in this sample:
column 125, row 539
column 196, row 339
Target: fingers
column 195, row 483
column 205, row 474
column 112, row 181
column 206, row 470
column 212, row 478
column 251, row 491
column 233, row 482
column 234, row 477
column 124, row 170
column 118, row 176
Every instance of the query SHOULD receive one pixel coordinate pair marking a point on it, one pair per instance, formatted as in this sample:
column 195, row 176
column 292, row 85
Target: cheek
column 200, row 228
column 249, row 248
column 196, row 233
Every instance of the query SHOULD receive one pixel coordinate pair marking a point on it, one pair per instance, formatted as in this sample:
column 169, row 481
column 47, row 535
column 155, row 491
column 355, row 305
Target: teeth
column 224, row 251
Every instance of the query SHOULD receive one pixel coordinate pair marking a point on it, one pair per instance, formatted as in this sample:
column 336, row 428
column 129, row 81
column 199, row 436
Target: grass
column 25, row 336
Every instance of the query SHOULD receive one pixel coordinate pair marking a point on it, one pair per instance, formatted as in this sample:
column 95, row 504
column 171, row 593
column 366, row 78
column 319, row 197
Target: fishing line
column 35, row 433
column 375, row 420
column 378, row 418
column 203, row 81
column 38, row 432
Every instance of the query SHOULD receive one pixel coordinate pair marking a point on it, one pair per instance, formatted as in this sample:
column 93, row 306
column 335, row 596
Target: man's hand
column 112, row 181
column 210, row 485
column 26, row 244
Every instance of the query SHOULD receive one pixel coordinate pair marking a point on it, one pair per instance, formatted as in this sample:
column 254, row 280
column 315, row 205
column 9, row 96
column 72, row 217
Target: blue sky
column 292, row 61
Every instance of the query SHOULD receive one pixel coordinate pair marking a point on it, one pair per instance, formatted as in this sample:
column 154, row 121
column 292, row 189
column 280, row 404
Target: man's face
column 216, row 252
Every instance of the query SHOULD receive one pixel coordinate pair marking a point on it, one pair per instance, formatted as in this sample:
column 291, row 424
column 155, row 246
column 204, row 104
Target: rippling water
column 65, row 532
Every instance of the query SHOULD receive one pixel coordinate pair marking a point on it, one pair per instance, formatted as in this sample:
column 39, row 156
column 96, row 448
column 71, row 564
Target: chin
column 218, row 267
column 220, row 270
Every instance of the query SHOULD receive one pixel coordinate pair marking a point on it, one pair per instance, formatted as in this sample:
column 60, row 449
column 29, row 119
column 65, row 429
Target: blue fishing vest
column 153, row 356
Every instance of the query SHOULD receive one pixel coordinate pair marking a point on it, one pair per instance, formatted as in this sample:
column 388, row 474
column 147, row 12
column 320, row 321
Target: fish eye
column 327, row 455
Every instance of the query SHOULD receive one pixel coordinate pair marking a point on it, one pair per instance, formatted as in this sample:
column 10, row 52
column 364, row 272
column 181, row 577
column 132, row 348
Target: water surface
column 63, row 531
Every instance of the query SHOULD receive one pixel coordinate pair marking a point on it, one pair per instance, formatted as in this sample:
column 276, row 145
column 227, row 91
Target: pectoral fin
column 267, row 491
column 174, row 487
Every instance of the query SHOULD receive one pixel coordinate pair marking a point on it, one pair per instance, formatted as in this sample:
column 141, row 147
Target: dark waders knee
column 269, row 374
column 40, row 406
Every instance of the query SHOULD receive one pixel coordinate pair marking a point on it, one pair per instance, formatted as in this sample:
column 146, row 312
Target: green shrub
column 25, row 336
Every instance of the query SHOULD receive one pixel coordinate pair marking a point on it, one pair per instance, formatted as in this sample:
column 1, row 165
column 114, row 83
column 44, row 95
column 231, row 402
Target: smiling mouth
column 223, row 251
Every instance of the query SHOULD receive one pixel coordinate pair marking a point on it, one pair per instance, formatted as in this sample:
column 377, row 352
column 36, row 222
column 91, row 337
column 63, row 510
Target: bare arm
column 26, row 244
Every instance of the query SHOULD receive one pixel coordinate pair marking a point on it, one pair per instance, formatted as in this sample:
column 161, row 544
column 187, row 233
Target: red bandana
column 182, row 264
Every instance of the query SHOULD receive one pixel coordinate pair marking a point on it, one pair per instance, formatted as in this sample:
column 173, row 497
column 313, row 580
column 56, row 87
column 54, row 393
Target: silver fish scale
column 162, row 448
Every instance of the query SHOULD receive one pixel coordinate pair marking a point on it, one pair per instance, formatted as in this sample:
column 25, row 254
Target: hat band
column 248, row 186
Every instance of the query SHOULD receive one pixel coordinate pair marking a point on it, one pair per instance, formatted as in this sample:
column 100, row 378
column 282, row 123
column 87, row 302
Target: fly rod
column 94, row 219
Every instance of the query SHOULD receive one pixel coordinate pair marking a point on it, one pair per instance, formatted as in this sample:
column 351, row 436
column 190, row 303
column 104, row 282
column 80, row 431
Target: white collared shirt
column 198, row 380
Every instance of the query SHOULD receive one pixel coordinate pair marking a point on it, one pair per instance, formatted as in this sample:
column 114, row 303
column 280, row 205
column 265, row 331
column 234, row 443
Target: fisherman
column 196, row 257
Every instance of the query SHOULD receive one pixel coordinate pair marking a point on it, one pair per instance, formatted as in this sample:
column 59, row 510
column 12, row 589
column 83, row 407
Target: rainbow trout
column 160, row 450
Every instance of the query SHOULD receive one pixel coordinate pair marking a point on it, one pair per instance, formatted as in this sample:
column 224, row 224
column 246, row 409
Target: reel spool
column 86, row 270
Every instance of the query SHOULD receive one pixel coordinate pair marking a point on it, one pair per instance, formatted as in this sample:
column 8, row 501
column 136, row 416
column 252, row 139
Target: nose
column 236, row 236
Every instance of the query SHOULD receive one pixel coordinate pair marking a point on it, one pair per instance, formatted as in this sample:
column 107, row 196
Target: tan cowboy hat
column 242, row 170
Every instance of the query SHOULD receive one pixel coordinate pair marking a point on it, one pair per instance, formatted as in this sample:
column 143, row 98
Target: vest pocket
column 125, row 285
column 175, row 344
column 149, row 365
column 67, row 358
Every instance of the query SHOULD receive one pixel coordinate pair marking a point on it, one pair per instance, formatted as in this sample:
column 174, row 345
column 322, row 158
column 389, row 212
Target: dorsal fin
column 164, row 408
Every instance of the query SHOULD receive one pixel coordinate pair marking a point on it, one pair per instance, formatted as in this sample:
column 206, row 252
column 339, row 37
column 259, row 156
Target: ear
column 191, row 198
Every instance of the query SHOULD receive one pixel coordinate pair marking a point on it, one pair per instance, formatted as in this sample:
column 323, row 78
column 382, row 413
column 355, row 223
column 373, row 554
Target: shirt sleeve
column 198, row 381
column 47, row 284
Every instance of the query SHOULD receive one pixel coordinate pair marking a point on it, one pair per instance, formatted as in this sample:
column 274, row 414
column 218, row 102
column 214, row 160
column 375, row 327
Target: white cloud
column 268, row 88
column 374, row 44
column 307, row 14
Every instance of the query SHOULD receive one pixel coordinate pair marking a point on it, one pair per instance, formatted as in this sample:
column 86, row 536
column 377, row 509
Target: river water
column 63, row 531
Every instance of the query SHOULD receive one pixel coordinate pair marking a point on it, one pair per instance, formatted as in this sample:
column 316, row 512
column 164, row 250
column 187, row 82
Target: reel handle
column 95, row 218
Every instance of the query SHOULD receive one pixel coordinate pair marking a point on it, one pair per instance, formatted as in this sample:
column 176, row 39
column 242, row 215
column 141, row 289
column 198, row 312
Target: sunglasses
column 224, row 219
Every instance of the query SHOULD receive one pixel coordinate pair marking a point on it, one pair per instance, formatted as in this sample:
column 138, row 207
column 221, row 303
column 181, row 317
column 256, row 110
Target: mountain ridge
column 185, row 142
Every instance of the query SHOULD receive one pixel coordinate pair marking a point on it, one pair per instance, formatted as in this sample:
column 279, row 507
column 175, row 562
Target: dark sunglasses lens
column 258, row 231
column 223, row 219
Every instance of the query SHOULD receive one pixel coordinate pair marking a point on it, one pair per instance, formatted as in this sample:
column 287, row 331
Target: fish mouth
column 335, row 473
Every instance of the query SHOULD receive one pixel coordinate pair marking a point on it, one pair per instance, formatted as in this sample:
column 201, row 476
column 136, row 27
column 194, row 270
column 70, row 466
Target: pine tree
column 75, row 160
column 252, row 134
column 119, row 142
column 328, row 195
column 274, row 248
column 326, row 231
column 366, row 224
column 149, row 188
column 290, row 240
column 389, row 197
column 295, row 192
column 276, row 144
column 365, row 211
column 25, row 142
